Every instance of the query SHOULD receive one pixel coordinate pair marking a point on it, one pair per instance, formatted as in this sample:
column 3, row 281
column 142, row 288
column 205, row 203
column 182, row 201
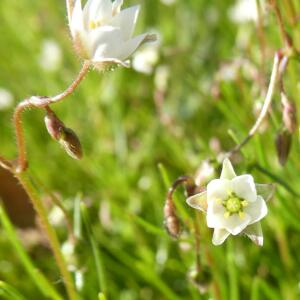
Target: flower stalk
column 51, row 234
column 266, row 106
column 39, row 102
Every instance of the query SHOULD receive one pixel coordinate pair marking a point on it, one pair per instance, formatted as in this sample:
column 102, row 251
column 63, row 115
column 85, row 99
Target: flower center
column 94, row 24
column 234, row 205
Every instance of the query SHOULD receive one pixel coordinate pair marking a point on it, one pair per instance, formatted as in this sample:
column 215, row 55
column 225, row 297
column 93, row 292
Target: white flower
column 51, row 56
column 6, row 99
column 145, row 59
column 102, row 33
column 234, row 205
column 244, row 11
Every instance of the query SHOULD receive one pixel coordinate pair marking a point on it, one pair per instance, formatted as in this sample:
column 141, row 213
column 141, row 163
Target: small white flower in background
column 6, row 99
column 168, row 2
column 51, row 56
column 234, row 204
column 145, row 59
column 244, row 11
column 102, row 33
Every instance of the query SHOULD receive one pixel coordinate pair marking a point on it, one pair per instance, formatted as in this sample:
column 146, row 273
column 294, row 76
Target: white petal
column 198, row 201
column 117, row 6
column 265, row 190
column 107, row 42
column 131, row 45
column 244, row 187
column 126, row 21
column 215, row 214
column 256, row 210
column 254, row 233
column 235, row 224
column 219, row 236
column 97, row 10
column 227, row 170
column 76, row 22
column 219, row 188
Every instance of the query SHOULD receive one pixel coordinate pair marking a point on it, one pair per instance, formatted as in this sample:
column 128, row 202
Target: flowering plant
column 102, row 33
column 233, row 205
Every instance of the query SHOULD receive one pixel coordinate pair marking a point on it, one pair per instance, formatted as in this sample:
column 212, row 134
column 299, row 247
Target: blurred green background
column 205, row 86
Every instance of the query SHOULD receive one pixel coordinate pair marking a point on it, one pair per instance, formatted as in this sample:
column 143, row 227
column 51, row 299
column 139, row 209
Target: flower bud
column 53, row 124
column 289, row 114
column 71, row 143
column 283, row 145
column 171, row 220
column 201, row 279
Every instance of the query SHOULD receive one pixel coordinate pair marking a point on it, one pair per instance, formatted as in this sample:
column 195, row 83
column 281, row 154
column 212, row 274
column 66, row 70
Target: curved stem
column 51, row 234
column 266, row 106
column 39, row 102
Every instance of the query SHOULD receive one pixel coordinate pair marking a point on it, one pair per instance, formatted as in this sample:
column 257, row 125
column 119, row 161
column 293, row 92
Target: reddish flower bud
column 71, row 143
column 283, row 145
column 53, row 124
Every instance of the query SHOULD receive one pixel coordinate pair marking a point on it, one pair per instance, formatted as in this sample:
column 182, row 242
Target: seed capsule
column 283, row 145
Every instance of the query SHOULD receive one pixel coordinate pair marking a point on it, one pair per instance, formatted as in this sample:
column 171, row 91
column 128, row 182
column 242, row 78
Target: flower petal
column 235, row 224
column 131, row 45
column 218, row 188
column 244, row 187
column 256, row 210
column 117, row 6
column 76, row 22
column 265, row 190
column 215, row 214
column 126, row 21
column 97, row 10
column 198, row 201
column 254, row 233
column 107, row 41
column 227, row 170
column 219, row 236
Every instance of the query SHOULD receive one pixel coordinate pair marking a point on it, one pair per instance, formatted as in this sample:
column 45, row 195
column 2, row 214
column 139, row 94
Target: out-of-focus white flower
column 244, row 11
column 168, row 2
column 51, row 56
column 234, row 205
column 6, row 99
column 145, row 59
column 102, row 33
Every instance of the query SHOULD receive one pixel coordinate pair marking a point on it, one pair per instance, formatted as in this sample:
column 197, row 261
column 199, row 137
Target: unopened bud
column 71, row 143
column 171, row 220
column 289, row 114
column 53, row 124
column 201, row 279
column 283, row 145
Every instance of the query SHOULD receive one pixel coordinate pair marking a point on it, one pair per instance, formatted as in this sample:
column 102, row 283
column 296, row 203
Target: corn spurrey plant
column 102, row 35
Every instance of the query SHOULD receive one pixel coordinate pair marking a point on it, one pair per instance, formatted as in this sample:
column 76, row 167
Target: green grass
column 116, row 192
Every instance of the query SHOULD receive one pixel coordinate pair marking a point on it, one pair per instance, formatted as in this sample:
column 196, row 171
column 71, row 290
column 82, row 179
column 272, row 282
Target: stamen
column 245, row 203
column 242, row 214
column 227, row 214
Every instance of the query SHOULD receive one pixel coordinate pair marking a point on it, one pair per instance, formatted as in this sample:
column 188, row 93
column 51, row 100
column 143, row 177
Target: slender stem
column 266, row 106
column 285, row 36
column 74, row 84
column 51, row 234
column 39, row 102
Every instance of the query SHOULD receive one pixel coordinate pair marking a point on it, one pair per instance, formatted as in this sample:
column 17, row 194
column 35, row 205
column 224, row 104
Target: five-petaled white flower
column 234, row 204
column 102, row 33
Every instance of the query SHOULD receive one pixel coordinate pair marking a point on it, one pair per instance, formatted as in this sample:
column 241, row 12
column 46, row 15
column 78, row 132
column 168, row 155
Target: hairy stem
column 39, row 102
column 51, row 234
